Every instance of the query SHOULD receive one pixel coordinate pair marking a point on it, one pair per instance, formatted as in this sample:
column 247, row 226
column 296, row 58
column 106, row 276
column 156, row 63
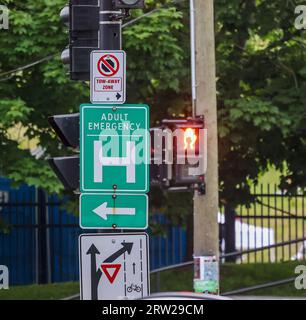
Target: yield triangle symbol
column 111, row 271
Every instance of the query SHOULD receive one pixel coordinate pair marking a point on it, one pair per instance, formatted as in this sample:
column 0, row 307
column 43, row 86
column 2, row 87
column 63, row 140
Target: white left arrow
column 103, row 211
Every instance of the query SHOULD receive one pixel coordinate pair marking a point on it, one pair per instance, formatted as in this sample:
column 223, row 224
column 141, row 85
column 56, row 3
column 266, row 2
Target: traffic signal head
column 189, row 153
column 67, row 171
column 187, row 134
column 67, row 168
column 129, row 4
column 82, row 18
column 65, row 15
column 67, row 128
column 190, row 138
column 160, row 170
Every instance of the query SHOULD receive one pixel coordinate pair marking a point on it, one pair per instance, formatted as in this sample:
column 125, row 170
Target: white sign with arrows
column 114, row 266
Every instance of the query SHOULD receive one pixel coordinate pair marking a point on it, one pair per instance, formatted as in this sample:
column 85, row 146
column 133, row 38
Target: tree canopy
column 261, row 100
column 261, row 80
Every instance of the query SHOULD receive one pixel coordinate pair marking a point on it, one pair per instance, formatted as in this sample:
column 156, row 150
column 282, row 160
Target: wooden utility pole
column 206, row 238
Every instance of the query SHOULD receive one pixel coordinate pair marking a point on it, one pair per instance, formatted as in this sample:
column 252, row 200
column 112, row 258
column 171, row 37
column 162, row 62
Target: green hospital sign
column 114, row 148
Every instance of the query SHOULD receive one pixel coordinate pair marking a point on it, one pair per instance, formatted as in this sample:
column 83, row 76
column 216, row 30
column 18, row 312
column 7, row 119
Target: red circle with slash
column 108, row 65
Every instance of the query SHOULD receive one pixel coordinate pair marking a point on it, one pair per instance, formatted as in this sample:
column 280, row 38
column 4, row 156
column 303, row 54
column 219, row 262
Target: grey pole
column 110, row 28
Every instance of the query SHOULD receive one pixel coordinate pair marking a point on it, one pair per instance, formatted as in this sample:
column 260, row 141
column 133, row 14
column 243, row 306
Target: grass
column 233, row 276
column 40, row 292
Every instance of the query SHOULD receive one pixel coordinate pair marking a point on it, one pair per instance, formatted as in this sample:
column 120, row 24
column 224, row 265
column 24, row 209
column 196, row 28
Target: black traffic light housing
column 160, row 171
column 82, row 19
column 129, row 4
column 183, row 173
column 67, row 169
column 67, row 127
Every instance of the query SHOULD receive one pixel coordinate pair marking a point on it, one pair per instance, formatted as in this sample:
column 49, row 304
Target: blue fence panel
column 19, row 248
column 63, row 247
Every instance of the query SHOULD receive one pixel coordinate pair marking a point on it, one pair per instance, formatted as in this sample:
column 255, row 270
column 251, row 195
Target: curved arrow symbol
column 126, row 247
column 103, row 211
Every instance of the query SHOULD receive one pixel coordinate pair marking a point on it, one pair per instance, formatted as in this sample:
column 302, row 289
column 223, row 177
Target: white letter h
column 129, row 162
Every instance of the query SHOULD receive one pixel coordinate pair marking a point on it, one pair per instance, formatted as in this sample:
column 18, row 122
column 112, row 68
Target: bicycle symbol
column 133, row 287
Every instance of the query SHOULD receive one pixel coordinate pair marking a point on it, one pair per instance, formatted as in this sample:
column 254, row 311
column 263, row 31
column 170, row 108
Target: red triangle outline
column 105, row 268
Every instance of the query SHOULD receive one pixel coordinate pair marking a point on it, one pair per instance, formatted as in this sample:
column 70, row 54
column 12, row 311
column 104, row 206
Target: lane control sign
column 114, row 266
column 108, row 76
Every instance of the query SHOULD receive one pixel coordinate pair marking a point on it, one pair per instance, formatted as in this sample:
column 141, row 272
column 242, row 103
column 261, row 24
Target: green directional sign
column 118, row 211
column 115, row 148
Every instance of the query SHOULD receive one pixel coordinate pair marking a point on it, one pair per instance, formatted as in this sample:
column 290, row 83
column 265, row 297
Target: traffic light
column 67, row 168
column 67, row 127
column 82, row 18
column 160, row 171
column 189, row 154
column 129, row 4
column 67, row 171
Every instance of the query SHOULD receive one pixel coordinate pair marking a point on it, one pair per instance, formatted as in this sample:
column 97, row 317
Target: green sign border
column 147, row 123
column 119, row 227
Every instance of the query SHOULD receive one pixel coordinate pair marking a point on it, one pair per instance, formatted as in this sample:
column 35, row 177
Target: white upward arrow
column 102, row 211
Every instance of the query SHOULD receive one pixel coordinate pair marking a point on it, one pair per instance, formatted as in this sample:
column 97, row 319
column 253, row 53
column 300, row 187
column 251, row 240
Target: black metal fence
column 273, row 218
column 40, row 242
column 39, row 238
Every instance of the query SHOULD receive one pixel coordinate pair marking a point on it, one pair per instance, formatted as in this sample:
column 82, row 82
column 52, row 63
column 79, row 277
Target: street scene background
column 261, row 96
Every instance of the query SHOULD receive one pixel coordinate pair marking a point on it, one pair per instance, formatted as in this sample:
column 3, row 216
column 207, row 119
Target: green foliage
column 12, row 112
column 176, row 207
column 158, row 52
column 29, row 96
column 261, row 87
column 261, row 100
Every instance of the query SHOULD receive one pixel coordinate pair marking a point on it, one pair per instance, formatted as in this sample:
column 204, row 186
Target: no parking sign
column 108, row 76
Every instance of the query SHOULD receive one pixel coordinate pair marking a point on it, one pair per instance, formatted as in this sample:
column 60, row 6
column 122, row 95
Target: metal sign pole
column 110, row 28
